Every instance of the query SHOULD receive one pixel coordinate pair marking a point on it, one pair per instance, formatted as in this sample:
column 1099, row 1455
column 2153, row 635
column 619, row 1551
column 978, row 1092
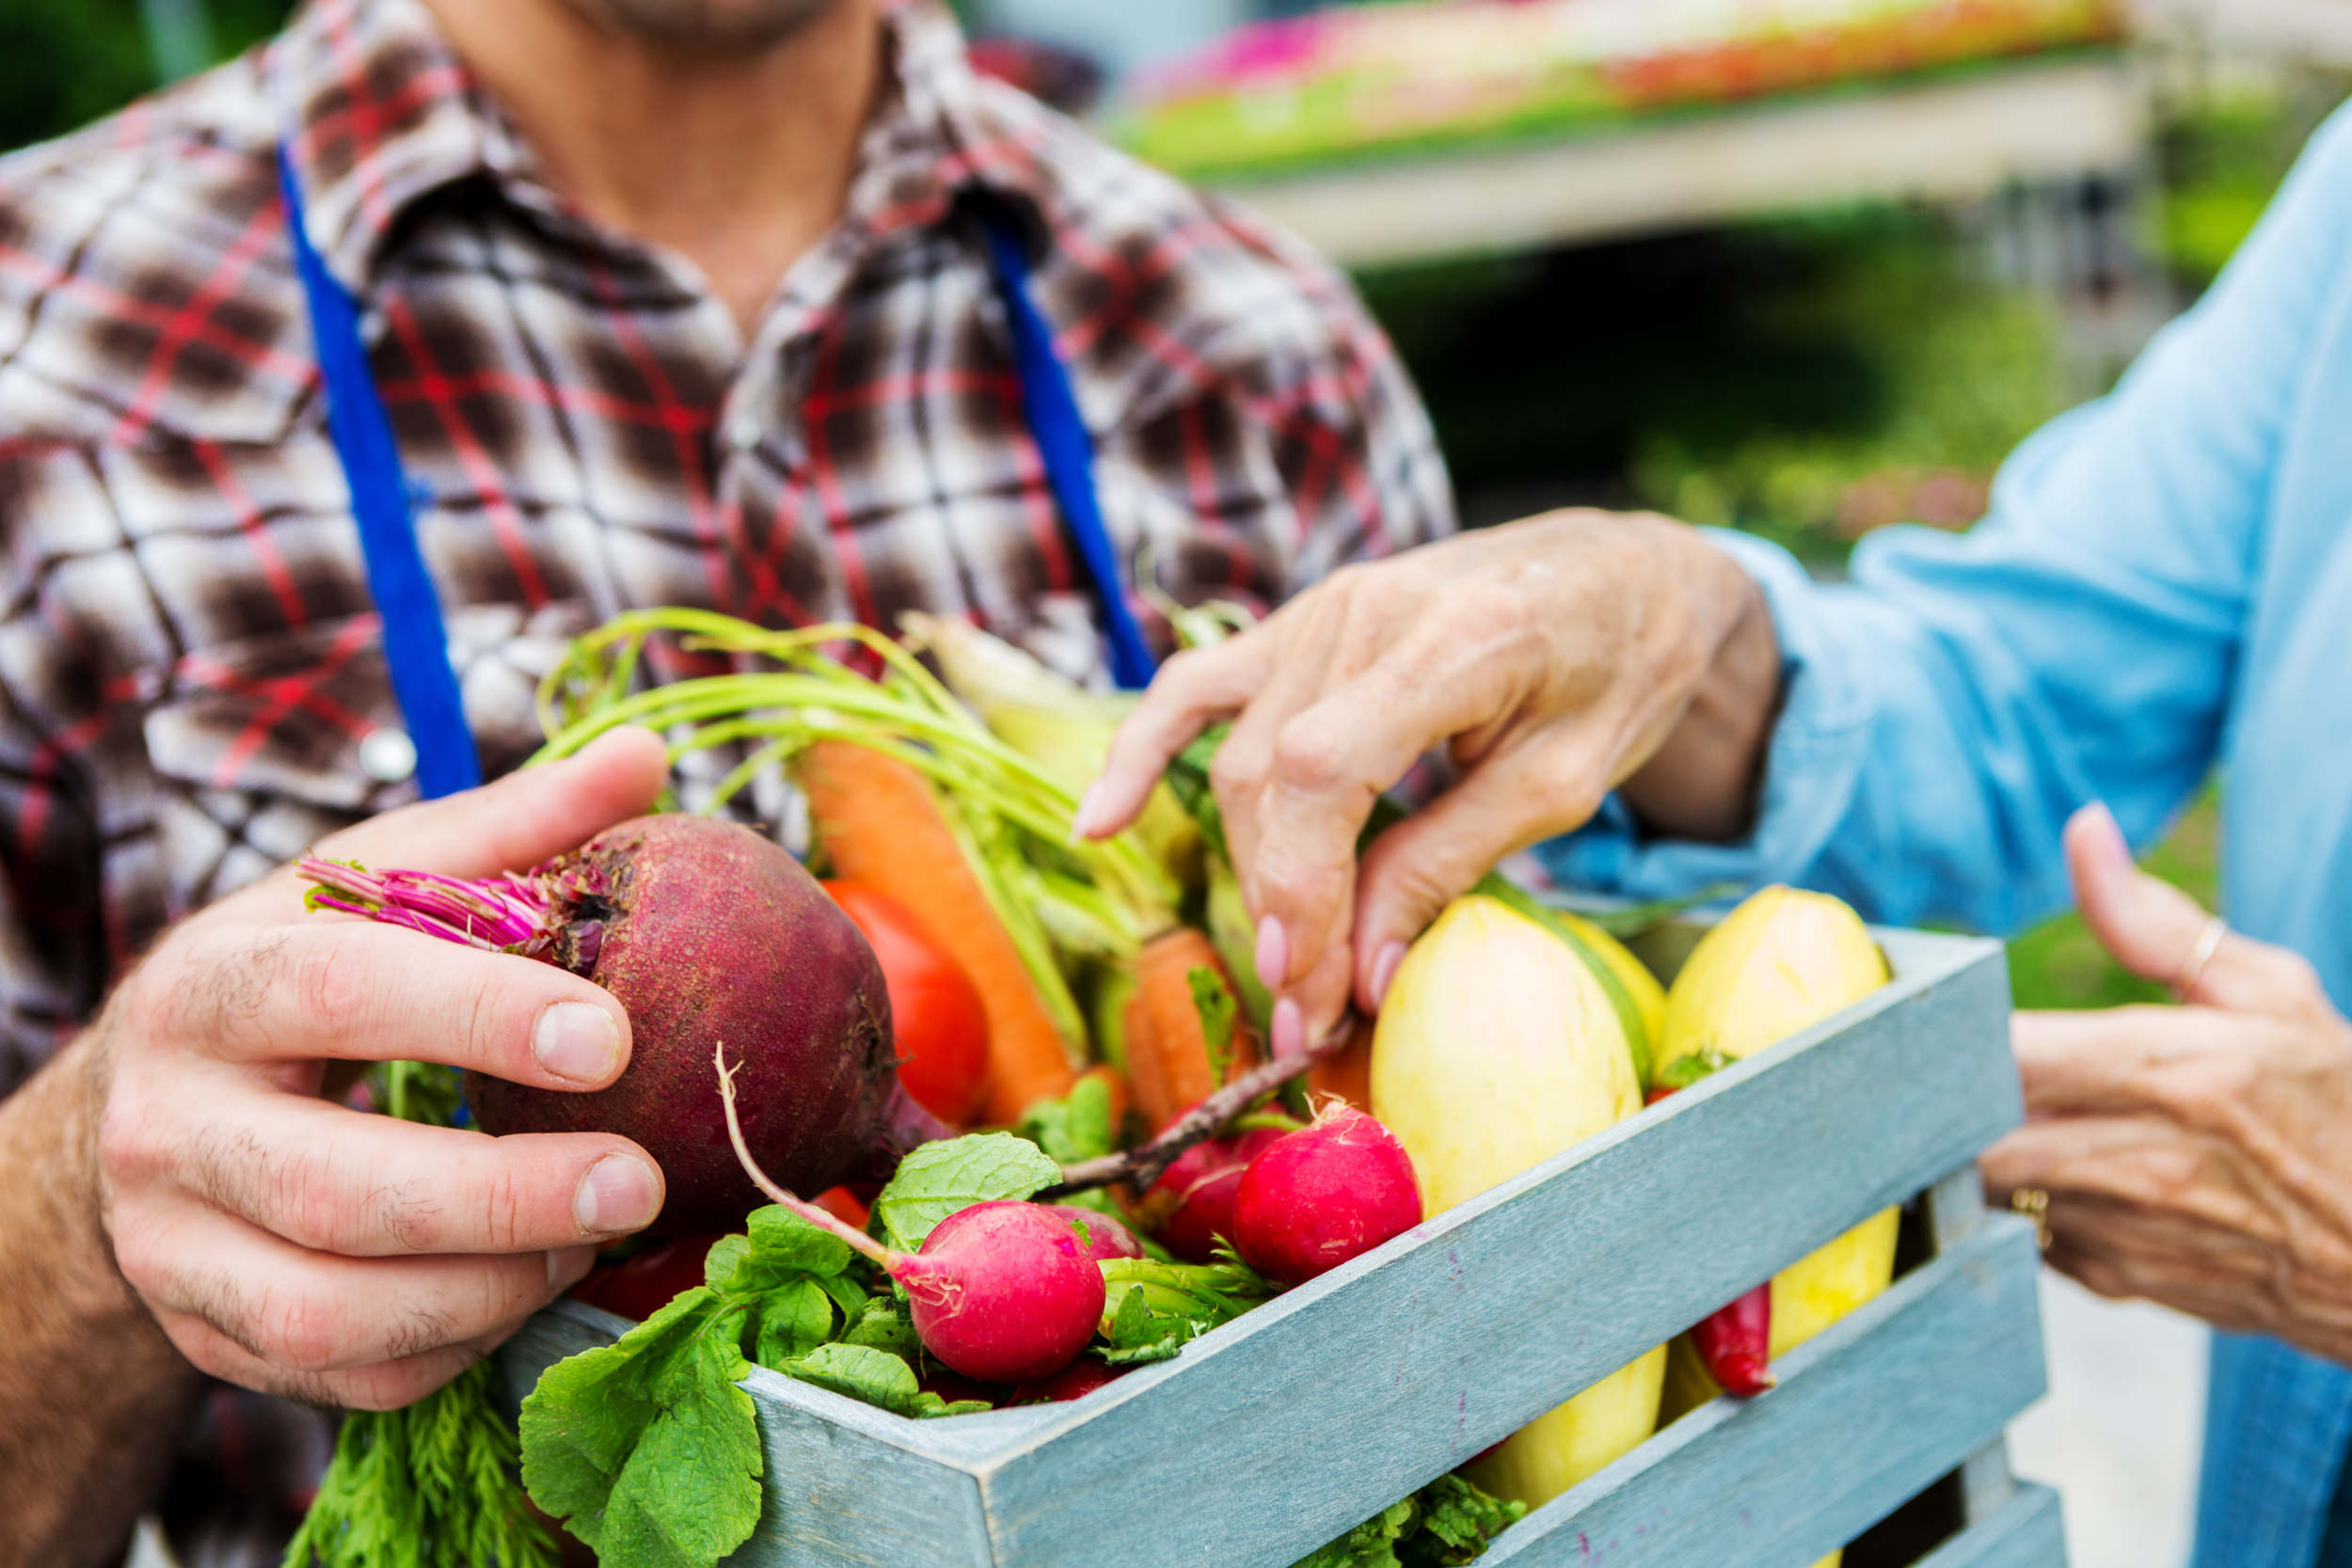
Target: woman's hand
column 2198, row 1156
column 1558, row 658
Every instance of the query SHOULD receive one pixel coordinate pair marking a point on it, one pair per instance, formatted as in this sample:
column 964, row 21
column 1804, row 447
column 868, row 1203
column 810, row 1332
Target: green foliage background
column 64, row 63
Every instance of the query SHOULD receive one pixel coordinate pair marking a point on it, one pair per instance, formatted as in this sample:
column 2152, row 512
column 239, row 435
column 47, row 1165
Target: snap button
column 743, row 431
column 388, row 755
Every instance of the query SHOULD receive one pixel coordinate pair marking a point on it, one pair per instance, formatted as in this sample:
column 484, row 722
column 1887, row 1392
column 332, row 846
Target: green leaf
column 1076, row 1127
column 1188, row 781
column 884, row 1325
column 1214, row 1001
column 794, row 1318
column 873, row 1377
column 1446, row 1523
column 645, row 1448
column 939, row 1179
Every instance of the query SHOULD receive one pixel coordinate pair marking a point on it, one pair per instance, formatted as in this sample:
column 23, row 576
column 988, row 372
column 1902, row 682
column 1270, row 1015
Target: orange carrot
column 1167, row 1059
column 879, row 824
column 1347, row 1075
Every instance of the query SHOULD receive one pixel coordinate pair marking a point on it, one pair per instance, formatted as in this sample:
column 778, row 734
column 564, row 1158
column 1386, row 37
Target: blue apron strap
column 1067, row 446
column 415, row 646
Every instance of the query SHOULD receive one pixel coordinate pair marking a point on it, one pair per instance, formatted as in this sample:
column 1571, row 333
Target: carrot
column 1347, row 1076
column 879, row 824
column 1168, row 1058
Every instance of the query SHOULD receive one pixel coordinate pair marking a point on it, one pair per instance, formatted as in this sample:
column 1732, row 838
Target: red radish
column 1191, row 1205
column 1073, row 1382
column 1003, row 1292
column 942, row 1025
column 1735, row 1342
column 1321, row 1196
column 1000, row 1292
column 704, row 931
column 1103, row 1237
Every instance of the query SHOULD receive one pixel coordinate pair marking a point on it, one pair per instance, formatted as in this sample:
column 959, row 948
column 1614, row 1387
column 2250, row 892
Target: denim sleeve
column 1948, row 708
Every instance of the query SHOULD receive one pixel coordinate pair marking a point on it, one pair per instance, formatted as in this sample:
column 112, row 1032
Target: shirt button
column 388, row 755
column 743, row 431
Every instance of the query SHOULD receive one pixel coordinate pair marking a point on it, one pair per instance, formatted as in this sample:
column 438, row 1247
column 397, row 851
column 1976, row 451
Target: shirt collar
column 385, row 115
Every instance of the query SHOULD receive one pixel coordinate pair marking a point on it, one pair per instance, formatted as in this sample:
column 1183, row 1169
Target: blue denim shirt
column 2164, row 585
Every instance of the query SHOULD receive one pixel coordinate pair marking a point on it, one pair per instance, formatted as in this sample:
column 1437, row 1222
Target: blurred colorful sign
column 1382, row 78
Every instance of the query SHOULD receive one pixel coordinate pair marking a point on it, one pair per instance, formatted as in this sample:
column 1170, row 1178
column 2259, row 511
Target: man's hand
column 1560, row 658
column 288, row 1243
column 2198, row 1156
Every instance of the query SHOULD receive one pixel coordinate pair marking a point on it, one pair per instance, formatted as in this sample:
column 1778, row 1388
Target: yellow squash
column 1496, row 1049
column 1781, row 963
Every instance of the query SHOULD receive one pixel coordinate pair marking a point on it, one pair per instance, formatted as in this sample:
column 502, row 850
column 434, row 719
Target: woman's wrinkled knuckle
column 1237, row 771
column 1314, row 753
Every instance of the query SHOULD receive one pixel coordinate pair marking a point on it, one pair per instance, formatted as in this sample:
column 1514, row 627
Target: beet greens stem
column 501, row 914
column 858, row 1240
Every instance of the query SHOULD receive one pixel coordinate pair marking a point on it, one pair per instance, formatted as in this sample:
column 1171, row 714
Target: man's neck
column 737, row 160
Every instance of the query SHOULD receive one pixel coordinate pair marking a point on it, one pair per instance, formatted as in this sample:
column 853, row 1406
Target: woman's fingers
column 2160, row 933
column 1192, row 691
column 350, row 991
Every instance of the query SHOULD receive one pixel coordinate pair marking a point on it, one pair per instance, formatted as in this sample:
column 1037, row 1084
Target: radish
column 1073, row 1382
column 1316, row 1198
column 1102, row 1238
column 1002, row 1292
column 1193, row 1199
column 703, row 929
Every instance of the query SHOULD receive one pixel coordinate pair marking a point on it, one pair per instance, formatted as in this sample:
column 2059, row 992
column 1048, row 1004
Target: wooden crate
column 1282, row 1430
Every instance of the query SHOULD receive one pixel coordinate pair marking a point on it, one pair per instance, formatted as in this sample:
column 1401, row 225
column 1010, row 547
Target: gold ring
column 2208, row 944
column 2034, row 1203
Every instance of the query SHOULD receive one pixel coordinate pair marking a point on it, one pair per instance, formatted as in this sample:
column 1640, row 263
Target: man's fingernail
column 1384, row 972
column 1082, row 823
column 1289, row 1031
column 568, row 1266
column 578, row 1042
column 620, row 1193
column 1274, row 954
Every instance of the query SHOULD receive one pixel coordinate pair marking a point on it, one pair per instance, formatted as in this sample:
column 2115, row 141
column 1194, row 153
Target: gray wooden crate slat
column 2027, row 1532
column 1284, row 1428
column 1406, row 1362
column 1867, row 1417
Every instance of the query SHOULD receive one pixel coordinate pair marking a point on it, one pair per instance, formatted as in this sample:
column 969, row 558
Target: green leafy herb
column 433, row 1484
column 645, row 1448
column 938, row 1179
column 1214, row 1001
column 424, row 1487
column 1447, row 1522
column 1154, row 1309
column 877, row 1378
column 1683, row 1072
column 1076, row 1127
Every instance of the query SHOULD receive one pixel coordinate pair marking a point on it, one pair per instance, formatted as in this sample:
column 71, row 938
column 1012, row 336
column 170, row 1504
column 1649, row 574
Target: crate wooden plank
column 1866, row 1415
column 2027, row 1532
column 1395, row 1368
column 1284, row 1428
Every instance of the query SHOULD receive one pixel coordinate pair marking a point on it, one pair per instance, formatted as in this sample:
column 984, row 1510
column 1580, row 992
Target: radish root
column 1142, row 1165
column 857, row 1239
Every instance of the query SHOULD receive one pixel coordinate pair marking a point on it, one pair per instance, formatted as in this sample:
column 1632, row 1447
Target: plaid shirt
column 189, row 657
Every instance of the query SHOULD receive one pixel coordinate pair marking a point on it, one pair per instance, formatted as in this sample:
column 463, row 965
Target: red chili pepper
column 1736, row 1341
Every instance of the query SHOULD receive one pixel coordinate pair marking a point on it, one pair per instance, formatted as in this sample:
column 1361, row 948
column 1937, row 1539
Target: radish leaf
column 877, row 1378
column 938, row 1179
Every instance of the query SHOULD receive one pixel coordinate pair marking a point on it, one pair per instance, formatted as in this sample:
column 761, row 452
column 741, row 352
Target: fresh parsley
column 1447, row 1522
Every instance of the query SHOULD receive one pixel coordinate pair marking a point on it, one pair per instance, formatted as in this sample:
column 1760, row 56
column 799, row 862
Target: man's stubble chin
column 706, row 24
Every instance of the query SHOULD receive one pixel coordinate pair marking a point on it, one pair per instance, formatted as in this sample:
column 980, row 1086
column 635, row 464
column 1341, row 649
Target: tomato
column 647, row 1282
column 842, row 1205
column 936, row 1011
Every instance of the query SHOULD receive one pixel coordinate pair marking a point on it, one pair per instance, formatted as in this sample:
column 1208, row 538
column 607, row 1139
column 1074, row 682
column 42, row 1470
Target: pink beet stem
column 857, row 1239
column 497, row 914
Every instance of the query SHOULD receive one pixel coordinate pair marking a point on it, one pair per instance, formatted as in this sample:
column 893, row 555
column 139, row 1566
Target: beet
column 1191, row 1206
column 1319, row 1197
column 706, row 933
